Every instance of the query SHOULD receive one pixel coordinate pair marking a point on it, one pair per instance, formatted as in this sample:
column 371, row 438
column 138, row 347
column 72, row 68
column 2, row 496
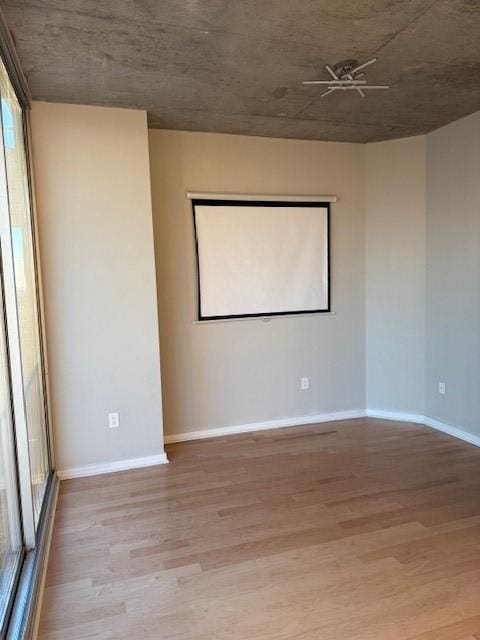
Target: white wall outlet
column 441, row 388
column 113, row 420
column 304, row 384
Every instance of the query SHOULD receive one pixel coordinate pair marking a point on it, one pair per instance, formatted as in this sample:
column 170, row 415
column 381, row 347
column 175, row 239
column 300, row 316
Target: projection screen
column 261, row 258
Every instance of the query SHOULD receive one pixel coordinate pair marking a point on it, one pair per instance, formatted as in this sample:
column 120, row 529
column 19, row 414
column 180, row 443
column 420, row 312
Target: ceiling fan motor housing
column 344, row 68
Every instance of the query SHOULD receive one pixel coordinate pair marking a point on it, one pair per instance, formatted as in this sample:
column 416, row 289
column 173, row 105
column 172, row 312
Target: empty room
column 240, row 328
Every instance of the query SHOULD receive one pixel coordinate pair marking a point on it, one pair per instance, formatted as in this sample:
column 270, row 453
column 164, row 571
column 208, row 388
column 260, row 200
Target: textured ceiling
column 237, row 65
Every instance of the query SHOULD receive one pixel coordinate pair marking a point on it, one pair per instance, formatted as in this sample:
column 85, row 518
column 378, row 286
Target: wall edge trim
column 400, row 416
column 450, row 430
column 432, row 423
column 277, row 423
column 111, row 467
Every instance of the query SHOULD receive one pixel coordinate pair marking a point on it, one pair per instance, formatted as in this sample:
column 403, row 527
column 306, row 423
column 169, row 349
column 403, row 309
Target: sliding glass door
column 24, row 447
column 25, row 288
column 11, row 540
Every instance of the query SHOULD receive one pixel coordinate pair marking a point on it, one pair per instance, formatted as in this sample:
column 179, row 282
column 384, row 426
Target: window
column 25, row 468
column 11, row 544
column 26, row 291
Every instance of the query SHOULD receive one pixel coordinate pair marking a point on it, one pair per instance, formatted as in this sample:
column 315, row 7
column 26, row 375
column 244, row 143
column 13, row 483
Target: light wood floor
column 359, row 530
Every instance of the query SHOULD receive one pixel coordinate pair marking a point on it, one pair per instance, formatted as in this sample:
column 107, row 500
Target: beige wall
column 395, row 275
column 95, row 227
column 453, row 274
column 226, row 374
column 93, row 189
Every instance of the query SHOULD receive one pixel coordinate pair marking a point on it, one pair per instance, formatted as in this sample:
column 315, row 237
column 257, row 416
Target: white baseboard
column 398, row 416
column 395, row 415
column 110, row 467
column 450, row 430
column 149, row 461
column 267, row 424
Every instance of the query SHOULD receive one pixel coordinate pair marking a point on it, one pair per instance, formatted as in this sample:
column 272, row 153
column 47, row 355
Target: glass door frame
column 16, row 573
column 36, row 534
column 38, row 286
column 16, row 373
column 13, row 332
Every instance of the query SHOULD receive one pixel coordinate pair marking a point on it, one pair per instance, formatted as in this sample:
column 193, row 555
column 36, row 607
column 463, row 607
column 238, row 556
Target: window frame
column 22, row 610
column 15, row 580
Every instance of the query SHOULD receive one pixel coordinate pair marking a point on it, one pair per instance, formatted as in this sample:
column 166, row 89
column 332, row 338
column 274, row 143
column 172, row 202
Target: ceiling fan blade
column 331, row 72
column 365, row 64
column 363, row 87
column 350, row 77
column 334, row 83
column 331, row 90
column 317, row 82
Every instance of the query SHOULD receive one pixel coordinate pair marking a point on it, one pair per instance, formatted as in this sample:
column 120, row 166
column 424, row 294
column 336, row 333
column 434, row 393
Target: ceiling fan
column 346, row 75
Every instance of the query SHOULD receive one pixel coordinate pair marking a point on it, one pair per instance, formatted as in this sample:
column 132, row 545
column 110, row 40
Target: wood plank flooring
column 360, row 530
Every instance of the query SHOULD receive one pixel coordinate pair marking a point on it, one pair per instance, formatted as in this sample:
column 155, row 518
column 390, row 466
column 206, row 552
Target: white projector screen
column 261, row 258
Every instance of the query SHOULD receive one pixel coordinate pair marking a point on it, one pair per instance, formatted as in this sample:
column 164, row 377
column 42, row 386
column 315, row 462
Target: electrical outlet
column 304, row 384
column 113, row 420
column 441, row 388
